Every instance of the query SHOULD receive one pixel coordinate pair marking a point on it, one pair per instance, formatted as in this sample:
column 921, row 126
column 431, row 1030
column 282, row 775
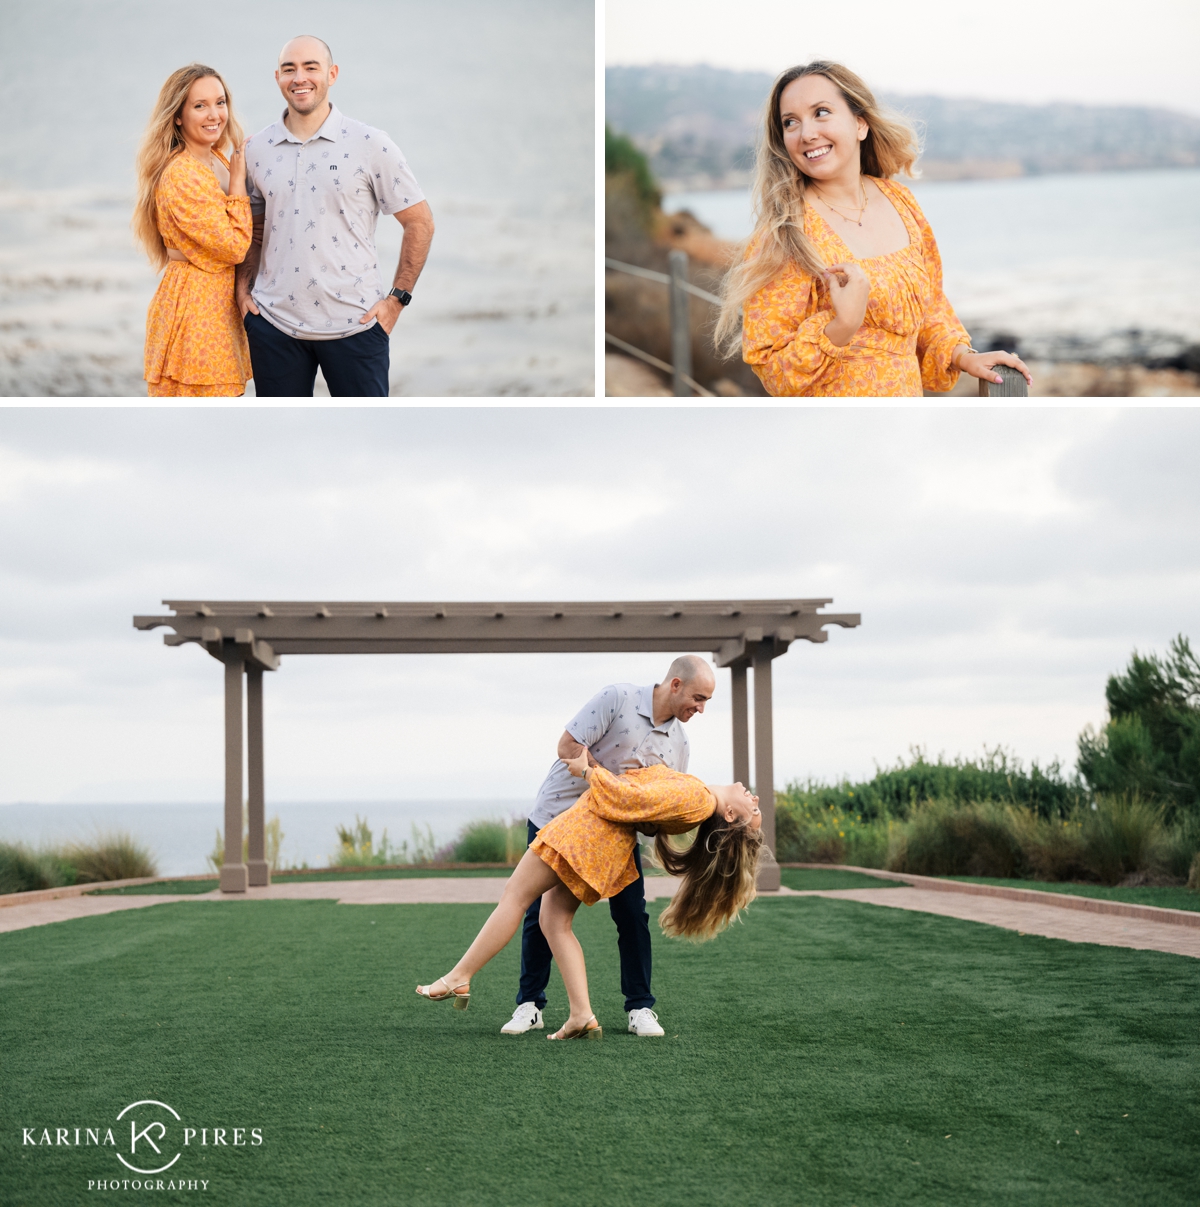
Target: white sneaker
column 644, row 1022
column 526, row 1017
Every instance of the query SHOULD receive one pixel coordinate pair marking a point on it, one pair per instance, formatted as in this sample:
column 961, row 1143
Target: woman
column 586, row 854
column 193, row 217
column 840, row 286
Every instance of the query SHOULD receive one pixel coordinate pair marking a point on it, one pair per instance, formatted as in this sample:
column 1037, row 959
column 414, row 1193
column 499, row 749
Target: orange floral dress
column 195, row 342
column 590, row 845
column 908, row 335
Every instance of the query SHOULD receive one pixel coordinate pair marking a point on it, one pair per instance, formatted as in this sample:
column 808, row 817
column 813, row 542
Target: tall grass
column 489, row 841
column 357, row 847
column 272, row 841
column 1123, row 839
column 107, row 857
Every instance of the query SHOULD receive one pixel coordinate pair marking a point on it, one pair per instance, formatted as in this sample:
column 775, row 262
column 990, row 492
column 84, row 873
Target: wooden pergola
column 250, row 638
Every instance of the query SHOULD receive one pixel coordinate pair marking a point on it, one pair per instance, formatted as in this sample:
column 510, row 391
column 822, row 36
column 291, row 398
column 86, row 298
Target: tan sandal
column 590, row 1030
column 454, row 993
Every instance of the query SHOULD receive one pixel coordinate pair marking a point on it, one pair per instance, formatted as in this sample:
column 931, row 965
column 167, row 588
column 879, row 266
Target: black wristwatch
column 402, row 296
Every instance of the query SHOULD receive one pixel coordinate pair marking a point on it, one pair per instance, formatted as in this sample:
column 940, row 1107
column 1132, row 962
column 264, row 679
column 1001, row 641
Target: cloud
column 1004, row 562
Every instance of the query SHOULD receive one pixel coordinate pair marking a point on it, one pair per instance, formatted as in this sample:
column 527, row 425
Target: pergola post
column 234, row 876
column 764, row 765
column 258, row 868
column 741, row 723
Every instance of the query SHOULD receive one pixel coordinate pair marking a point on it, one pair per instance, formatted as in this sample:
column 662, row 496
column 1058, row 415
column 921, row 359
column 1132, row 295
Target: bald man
column 310, row 290
column 622, row 726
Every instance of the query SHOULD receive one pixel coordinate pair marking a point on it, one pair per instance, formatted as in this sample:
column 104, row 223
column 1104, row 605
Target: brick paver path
column 1052, row 921
column 1029, row 918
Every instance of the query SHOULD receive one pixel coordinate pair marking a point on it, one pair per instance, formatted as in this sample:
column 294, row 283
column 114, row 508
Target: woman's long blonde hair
column 162, row 141
column 890, row 147
column 720, row 873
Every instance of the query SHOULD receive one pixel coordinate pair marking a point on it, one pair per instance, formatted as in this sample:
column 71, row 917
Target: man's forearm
column 414, row 251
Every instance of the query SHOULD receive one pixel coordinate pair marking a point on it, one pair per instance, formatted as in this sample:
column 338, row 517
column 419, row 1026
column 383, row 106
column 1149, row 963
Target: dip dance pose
column 839, row 290
column 587, row 853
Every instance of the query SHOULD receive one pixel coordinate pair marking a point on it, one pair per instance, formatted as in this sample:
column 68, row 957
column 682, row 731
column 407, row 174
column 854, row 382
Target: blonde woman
column 193, row 218
column 587, row 853
column 839, row 290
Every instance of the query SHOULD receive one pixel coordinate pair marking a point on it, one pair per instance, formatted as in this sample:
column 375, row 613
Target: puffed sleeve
column 649, row 794
column 783, row 335
column 941, row 332
column 211, row 229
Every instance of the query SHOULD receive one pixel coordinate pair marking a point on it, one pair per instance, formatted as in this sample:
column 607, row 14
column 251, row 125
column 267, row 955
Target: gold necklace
column 862, row 209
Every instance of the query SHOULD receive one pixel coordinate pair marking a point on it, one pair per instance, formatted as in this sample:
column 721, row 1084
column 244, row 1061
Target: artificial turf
column 1167, row 896
column 822, row 1052
column 820, row 879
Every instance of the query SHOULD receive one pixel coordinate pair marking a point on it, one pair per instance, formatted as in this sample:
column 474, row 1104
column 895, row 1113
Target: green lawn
column 824, row 1052
column 1167, row 896
column 820, row 879
column 207, row 886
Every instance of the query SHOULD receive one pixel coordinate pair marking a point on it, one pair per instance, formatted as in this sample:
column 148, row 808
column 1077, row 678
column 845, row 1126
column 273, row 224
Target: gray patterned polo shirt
column 617, row 726
column 320, row 200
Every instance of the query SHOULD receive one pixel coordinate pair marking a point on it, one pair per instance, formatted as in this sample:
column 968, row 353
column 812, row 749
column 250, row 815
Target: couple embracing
column 621, row 768
column 268, row 243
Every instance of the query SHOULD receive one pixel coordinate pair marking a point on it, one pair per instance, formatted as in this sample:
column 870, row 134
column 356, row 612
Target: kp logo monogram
column 145, row 1134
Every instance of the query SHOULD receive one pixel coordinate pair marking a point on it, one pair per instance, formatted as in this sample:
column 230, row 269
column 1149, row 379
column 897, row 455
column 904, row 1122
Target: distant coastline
column 697, row 126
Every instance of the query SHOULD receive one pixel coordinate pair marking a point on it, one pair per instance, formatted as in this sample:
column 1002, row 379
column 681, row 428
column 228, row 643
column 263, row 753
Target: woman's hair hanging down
column 162, row 142
column 719, row 871
column 891, row 147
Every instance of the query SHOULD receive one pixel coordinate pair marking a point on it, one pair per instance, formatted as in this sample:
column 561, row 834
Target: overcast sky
column 1004, row 562
column 1103, row 52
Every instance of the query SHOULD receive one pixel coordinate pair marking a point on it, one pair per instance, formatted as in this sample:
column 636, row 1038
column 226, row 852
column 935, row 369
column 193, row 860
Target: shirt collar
column 645, row 706
column 329, row 128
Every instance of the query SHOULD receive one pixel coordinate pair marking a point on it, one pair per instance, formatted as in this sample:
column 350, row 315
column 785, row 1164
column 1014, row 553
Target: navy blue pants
column 628, row 909
column 355, row 366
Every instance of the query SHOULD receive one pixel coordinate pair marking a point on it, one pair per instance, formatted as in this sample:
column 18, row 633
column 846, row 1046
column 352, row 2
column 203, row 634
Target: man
column 623, row 726
column 309, row 289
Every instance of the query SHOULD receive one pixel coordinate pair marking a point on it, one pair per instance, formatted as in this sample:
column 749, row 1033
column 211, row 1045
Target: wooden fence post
column 1013, row 386
column 681, row 335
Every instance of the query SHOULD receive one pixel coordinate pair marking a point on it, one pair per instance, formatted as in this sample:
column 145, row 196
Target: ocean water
column 492, row 102
column 181, row 835
column 1077, row 267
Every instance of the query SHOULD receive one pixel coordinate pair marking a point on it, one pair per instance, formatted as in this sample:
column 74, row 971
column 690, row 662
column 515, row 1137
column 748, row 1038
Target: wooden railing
column 683, row 384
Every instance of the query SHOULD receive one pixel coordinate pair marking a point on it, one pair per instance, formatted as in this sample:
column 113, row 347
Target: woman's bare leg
column 557, row 915
column 528, row 882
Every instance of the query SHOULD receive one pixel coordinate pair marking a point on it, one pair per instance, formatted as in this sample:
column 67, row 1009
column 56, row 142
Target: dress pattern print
column 195, row 342
column 907, row 337
column 590, row 846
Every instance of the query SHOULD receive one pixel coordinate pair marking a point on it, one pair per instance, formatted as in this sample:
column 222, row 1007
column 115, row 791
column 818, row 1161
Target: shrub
column 1122, row 836
column 945, row 839
column 23, row 870
column 490, row 841
column 1053, row 849
column 810, row 831
column 1193, row 881
column 112, row 857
